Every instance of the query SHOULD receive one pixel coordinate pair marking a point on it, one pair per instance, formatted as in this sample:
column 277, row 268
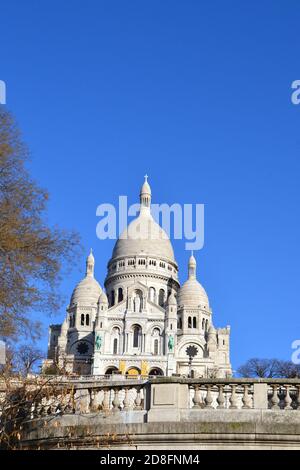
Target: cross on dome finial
column 146, row 178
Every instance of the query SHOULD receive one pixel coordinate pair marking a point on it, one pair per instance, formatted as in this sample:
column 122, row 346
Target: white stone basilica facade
column 144, row 321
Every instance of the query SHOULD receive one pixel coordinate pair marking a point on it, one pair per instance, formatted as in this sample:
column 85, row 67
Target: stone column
column 166, row 401
column 260, row 396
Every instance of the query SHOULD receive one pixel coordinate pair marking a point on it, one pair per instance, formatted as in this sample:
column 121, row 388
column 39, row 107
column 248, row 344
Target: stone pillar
column 260, row 396
column 166, row 401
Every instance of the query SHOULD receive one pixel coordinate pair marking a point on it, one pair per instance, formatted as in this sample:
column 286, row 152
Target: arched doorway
column 111, row 370
column 133, row 371
column 156, row 371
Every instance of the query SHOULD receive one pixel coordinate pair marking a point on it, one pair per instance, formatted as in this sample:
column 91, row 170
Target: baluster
column 69, row 408
column 233, row 397
column 297, row 401
column 246, row 397
column 287, row 399
column 116, row 400
column 92, row 400
column 105, row 402
column 208, row 399
column 221, row 398
column 49, row 409
column 275, row 399
column 40, row 409
column 126, row 400
column 33, row 411
column 138, row 399
column 196, row 398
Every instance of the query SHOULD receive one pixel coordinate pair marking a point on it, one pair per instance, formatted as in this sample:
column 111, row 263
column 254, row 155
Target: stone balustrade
column 161, row 398
column 144, row 412
column 246, row 395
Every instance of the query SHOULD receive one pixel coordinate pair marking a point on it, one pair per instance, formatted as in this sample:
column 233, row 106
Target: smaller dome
column 86, row 292
column 103, row 298
column 191, row 293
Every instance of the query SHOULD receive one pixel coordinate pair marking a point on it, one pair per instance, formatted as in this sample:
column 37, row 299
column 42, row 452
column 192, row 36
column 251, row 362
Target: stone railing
column 157, row 399
column 245, row 394
column 82, row 397
column 146, row 412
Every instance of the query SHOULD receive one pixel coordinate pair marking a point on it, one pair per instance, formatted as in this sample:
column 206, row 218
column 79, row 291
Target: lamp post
column 191, row 351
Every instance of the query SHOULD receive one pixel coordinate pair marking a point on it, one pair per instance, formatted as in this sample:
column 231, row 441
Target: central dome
column 144, row 236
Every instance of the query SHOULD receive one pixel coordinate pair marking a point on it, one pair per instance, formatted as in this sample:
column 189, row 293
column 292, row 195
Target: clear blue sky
column 196, row 94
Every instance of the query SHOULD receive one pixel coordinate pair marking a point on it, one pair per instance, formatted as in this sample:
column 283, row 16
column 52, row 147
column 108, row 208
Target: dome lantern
column 145, row 195
column 90, row 264
column 192, row 267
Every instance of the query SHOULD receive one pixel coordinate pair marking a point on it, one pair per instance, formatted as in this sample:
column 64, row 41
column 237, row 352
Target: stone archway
column 133, row 371
column 156, row 371
column 111, row 370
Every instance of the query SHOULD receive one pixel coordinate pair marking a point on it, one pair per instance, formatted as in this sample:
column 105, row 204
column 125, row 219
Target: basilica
column 144, row 322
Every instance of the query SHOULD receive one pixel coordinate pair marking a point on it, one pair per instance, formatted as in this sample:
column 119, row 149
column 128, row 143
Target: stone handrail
column 160, row 398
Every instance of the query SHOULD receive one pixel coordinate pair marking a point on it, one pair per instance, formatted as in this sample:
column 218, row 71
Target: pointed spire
column 90, row 264
column 192, row 267
column 145, row 195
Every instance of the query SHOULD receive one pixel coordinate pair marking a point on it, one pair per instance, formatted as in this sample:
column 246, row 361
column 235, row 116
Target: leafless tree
column 27, row 356
column 32, row 254
column 255, row 367
column 269, row 368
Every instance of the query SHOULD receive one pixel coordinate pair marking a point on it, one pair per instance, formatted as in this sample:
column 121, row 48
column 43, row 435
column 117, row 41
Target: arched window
column 206, row 325
column 152, row 294
column 82, row 319
column 156, row 347
column 194, row 322
column 87, row 319
column 161, row 298
column 112, row 298
column 190, row 322
column 120, row 294
column 180, row 323
column 136, row 336
column 203, row 323
column 115, row 348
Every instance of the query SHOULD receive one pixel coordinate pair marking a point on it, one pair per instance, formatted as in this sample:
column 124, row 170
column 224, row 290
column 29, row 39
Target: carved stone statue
column 98, row 342
column 171, row 343
column 137, row 304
